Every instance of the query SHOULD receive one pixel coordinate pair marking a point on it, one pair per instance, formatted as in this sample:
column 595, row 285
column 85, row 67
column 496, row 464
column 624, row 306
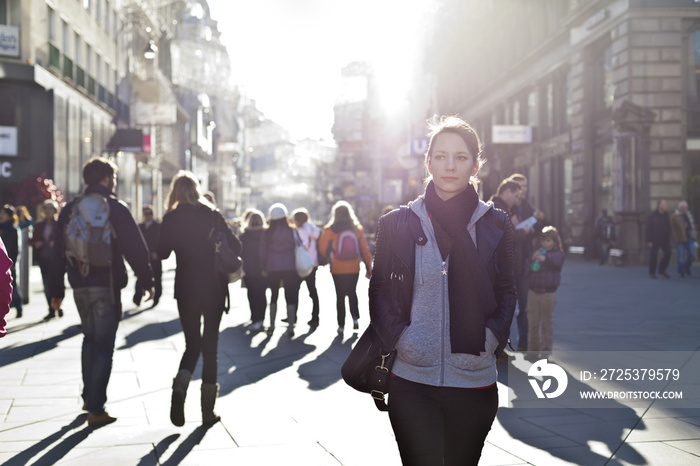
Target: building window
column 86, row 4
column 532, row 115
column 603, row 81
column 88, row 59
column 52, row 25
column 77, row 50
column 3, row 11
column 98, row 11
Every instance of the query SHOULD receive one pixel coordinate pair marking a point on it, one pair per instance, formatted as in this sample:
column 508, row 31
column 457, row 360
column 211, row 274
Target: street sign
column 419, row 146
column 511, row 134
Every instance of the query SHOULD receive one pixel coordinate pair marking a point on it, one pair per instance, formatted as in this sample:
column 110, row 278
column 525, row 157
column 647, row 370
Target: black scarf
column 470, row 290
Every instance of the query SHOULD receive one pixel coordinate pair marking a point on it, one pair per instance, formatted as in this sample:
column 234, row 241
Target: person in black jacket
column 9, row 232
column 200, row 290
column 97, row 295
column 442, row 294
column 659, row 237
column 256, row 284
column 150, row 229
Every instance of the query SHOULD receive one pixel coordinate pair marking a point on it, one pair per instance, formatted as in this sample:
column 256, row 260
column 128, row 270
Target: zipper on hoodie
column 444, row 322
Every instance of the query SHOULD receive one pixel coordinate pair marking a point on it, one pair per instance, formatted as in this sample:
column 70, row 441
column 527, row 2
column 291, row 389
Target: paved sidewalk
column 282, row 400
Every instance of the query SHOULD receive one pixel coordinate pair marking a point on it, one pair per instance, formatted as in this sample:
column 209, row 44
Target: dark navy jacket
column 128, row 244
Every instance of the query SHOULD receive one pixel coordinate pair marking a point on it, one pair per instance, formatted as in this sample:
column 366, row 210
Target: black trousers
column 440, row 425
column 197, row 341
column 345, row 285
column 665, row 257
column 313, row 293
column 256, row 286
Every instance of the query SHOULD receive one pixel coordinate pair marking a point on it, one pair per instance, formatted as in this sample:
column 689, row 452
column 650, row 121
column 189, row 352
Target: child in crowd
column 543, row 280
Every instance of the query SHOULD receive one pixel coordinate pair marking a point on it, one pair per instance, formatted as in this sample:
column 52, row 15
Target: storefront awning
column 126, row 140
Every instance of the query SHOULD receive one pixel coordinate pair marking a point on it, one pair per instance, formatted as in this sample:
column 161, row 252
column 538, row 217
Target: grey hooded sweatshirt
column 424, row 353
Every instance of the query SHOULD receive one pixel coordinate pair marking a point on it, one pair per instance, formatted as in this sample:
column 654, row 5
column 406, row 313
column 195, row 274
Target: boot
column 273, row 317
column 292, row 316
column 177, row 403
column 209, row 393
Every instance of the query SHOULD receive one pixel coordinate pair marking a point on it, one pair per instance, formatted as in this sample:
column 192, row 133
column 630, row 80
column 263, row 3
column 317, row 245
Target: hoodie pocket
column 471, row 362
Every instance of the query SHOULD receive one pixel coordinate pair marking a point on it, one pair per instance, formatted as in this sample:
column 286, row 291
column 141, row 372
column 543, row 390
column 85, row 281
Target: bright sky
column 287, row 54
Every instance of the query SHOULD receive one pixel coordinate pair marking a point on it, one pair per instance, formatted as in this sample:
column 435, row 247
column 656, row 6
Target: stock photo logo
column 541, row 375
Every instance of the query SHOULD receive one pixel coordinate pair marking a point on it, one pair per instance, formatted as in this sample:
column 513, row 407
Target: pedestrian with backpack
column 94, row 234
column 200, row 290
column 348, row 247
column 309, row 234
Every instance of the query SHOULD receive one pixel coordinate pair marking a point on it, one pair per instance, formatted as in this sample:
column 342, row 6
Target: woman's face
column 451, row 165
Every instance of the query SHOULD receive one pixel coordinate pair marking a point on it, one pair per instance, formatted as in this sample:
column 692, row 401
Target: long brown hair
column 342, row 211
column 185, row 189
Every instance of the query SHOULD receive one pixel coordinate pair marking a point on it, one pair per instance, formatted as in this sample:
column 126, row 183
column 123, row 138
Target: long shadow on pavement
column 151, row 332
column 13, row 354
column 324, row 371
column 151, row 459
column 250, row 366
column 57, row 452
column 184, row 448
column 539, row 422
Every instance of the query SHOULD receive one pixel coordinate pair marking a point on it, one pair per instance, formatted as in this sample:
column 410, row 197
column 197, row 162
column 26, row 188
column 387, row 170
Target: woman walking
column 309, row 234
column 443, row 295
column 9, row 232
column 277, row 259
column 346, row 238
column 255, row 282
column 199, row 290
column 43, row 248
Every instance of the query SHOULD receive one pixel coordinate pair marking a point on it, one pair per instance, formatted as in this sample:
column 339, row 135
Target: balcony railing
column 67, row 67
column 54, row 57
column 79, row 76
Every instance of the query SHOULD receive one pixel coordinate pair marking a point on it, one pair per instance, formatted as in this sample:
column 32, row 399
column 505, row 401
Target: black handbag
column 368, row 367
column 227, row 264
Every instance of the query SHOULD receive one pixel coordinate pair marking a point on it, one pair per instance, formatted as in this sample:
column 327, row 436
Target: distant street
column 282, row 400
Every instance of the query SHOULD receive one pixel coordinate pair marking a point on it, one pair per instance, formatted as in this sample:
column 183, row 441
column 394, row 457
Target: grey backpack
column 89, row 233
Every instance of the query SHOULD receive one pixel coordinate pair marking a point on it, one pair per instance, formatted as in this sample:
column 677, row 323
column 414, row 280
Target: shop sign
column 8, row 141
column 9, row 41
column 511, row 134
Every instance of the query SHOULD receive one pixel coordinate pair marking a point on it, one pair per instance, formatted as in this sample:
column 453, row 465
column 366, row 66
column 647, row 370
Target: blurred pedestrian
column 443, row 293
column 309, row 233
column 43, row 246
column 150, row 229
column 544, row 267
column 278, row 264
column 348, row 248
column 605, row 235
column 255, row 283
column 9, row 232
column 24, row 217
column 97, row 293
column 5, row 288
column 199, row 290
column 523, row 211
column 683, row 235
column 658, row 233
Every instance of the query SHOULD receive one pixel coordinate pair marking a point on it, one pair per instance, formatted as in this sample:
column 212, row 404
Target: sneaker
column 340, row 330
column 102, row 420
column 255, row 327
column 355, row 324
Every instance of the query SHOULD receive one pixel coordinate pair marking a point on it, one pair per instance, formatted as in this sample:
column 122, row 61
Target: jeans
column 665, row 257
column 686, row 254
column 197, row 341
column 100, row 313
column 345, row 284
column 440, row 425
column 521, row 320
column 292, row 283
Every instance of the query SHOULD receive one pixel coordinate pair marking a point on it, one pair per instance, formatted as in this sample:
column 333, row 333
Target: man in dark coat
column 659, row 237
column 97, row 294
column 150, row 229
